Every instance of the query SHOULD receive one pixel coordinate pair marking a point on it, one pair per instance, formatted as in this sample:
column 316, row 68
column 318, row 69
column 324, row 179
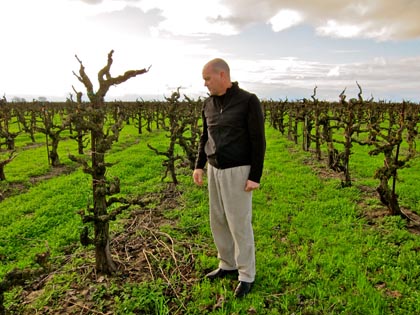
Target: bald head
column 219, row 65
column 216, row 75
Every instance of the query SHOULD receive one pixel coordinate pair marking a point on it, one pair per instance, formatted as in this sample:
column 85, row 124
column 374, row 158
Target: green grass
column 47, row 212
column 316, row 252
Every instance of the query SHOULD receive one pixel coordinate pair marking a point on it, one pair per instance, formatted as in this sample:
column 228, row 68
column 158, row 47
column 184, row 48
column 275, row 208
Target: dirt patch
column 11, row 189
column 54, row 171
column 142, row 252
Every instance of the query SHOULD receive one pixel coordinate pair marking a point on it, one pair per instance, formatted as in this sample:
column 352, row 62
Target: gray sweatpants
column 231, row 219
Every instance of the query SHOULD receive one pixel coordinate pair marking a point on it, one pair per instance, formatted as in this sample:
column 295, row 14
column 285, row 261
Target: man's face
column 213, row 80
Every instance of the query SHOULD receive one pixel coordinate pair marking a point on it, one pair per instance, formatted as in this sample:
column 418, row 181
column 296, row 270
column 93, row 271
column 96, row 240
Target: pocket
column 245, row 169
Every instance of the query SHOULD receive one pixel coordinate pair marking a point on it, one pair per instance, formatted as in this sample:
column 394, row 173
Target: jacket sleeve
column 256, row 131
column 201, row 156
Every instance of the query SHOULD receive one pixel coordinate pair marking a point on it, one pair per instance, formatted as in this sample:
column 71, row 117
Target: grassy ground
column 316, row 251
column 319, row 249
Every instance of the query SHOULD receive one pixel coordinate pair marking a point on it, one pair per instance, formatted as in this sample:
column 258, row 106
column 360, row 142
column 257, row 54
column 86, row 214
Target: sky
column 277, row 49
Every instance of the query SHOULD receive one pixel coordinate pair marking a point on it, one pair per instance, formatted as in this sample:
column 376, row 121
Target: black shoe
column 243, row 289
column 220, row 273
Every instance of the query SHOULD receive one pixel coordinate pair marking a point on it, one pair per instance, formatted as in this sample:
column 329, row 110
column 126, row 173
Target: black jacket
column 233, row 132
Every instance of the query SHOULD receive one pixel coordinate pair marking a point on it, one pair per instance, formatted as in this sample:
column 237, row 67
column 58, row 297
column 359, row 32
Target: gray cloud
column 92, row 1
column 376, row 19
column 382, row 20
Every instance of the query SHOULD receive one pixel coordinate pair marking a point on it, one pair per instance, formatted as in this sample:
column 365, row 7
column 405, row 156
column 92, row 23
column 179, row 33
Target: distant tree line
column 328, row 129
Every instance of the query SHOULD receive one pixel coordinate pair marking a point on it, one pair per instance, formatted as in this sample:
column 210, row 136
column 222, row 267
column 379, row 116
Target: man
column 233, row 144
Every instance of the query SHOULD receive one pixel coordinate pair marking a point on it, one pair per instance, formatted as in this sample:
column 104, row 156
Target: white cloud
column 334, row 72
column 335, row 29
column 285, row 19
column 378, row 77
column 191, row 17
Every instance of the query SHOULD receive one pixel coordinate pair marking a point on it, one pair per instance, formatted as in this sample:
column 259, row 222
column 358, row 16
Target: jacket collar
column 233, row 88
